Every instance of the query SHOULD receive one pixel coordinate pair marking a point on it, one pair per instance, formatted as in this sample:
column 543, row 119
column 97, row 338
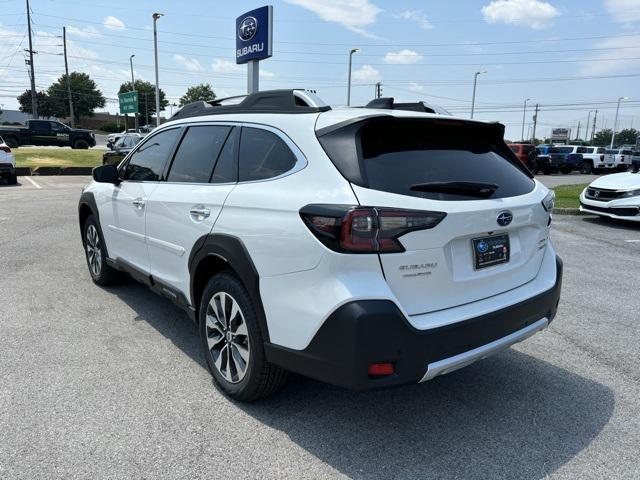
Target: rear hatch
column 460, row 168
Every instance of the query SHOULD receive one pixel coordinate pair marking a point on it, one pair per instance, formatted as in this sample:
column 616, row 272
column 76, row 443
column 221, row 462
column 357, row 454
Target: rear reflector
column 380, row 369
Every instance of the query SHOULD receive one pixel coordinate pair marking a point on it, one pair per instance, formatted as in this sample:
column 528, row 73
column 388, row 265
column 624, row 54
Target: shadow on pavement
column 509, row 416
column 611, row 222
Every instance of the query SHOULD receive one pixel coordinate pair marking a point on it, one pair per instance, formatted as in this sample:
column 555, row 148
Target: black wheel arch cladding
column 232, row 251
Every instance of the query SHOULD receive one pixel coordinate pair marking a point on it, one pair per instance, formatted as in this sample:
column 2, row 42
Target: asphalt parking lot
column 110, row 383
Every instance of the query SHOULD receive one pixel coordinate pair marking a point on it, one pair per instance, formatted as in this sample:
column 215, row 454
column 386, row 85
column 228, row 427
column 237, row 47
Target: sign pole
column 254, row 39
column 253, row 75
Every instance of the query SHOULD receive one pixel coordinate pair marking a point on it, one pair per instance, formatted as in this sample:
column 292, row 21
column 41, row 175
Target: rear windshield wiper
column 469, row 189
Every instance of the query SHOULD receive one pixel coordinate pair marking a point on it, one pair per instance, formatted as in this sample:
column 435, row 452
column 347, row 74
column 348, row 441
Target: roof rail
column 267, row 101
column 387, row 103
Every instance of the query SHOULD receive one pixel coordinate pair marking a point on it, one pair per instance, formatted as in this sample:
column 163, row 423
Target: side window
column 226, row 170
column 147, row 163
column 263, row 155
column 197, row 154
column 41, row 127
column 57, row 127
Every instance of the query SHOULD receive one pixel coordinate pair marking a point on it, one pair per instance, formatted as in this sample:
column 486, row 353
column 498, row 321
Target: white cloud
column 191, row 64
column 527, row 13
column 403, row 57
column 266, row 73
column 416, row 16
column 113, row 23
column 625, row 11
column 220, row 65
column 622, row 47
column 86, row 32
column 415, row 87
column 366, row 73
column 352, row 14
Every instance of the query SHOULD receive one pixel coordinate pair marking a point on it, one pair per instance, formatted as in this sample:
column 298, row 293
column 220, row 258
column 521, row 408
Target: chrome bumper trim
column 450, row 364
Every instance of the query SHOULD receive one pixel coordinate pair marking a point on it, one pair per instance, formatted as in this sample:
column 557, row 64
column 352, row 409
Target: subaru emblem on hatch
column 248, row 28
column 504, row 218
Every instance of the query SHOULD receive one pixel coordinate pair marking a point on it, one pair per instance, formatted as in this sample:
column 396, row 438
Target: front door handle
column 199, row 213
column 138, row 203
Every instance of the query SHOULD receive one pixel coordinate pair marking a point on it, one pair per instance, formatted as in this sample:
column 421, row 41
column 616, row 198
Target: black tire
column 81, row 144
column 259, row 377
column 13, row 179
column 586, row 168
column 11, row 142
column 546, row 171
column 101, row 273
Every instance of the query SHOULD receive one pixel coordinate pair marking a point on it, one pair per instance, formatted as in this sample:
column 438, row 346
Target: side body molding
column 233, row 252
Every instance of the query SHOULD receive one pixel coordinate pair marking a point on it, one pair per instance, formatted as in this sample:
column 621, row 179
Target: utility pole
column 66, row 70
column 156, row 16
column 473, row 97
column 133, row 89
column 146, row 107
column 34, row 98
column 578, row 131
column 593, row 129
column 524, row 112
column 615, row 122
column 535, row 122
column 586, row 133
column 378, row 90
column 351, row 52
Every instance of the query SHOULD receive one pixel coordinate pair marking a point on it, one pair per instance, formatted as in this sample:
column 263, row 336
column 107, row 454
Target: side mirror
column 106, row 174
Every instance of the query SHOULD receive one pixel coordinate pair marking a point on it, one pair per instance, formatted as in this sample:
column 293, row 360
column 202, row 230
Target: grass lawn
column 57, row 157
column 567, row 196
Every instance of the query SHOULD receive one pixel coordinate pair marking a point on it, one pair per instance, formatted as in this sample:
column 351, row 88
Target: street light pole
column 133, row 89
column 66, row 70
column 473, row 98
column 615, row 122
column 524, row 111
column 156, row 16
column 353, row 50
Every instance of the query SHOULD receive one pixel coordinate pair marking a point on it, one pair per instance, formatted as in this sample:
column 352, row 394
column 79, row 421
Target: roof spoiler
column 388, row 103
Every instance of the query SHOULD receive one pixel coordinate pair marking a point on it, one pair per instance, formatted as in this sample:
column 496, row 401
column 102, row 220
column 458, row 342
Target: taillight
column 353, row 229
column 622, row 158
column 5, row 148
column 602, row 158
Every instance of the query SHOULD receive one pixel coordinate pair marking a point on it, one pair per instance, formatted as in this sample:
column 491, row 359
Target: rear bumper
column 364, row 332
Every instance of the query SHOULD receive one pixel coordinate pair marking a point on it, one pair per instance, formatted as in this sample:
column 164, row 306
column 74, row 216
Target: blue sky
column 569, row 56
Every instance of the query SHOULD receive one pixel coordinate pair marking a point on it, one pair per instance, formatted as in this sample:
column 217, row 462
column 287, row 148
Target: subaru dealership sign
column 254, row 35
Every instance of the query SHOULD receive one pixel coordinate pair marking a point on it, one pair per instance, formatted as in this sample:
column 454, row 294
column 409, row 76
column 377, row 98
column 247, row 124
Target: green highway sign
column 128, row 102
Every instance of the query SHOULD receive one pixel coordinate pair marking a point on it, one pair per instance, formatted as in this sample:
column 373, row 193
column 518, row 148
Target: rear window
column 611, row 152
column 403, row 155
column 627, row 152
column 561, row 150
column 528, row 148
column 584, row 150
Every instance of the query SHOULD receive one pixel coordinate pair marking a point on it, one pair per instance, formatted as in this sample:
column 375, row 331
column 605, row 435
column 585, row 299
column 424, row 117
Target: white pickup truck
column 622, row 158
column 595, row 160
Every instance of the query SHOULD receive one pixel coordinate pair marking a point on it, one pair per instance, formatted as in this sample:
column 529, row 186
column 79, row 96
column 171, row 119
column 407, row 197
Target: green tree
column 146, row 99
column 84, row 92
column 628, row 136
column 46, row 104
column 196, row 93
column 602, row 138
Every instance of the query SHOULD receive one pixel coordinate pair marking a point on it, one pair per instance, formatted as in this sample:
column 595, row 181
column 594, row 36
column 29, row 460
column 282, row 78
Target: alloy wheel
column 94, row 251
column 227, row 337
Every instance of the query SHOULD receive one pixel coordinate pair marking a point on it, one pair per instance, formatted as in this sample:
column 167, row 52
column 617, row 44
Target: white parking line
column 632, row 241
column 32, row 182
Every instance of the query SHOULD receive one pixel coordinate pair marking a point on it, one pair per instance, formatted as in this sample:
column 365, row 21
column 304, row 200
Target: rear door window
column 410, row 157
column 263, row 155
column 197, row 153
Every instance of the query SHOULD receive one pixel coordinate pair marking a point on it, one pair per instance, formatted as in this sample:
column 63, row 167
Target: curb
column 48, row 171
column 569, row 211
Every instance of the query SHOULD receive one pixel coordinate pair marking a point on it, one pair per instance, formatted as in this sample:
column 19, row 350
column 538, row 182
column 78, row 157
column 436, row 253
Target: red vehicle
column 526, row 153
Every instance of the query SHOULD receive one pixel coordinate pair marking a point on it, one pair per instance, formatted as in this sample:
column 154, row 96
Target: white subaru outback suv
column 364, row 247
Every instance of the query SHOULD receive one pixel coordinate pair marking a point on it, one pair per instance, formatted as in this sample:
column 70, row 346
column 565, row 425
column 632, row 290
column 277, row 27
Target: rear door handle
column 138, row 203
column 199, row 213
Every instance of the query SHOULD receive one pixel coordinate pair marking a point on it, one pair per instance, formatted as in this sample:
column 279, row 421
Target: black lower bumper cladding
column 364, row 332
